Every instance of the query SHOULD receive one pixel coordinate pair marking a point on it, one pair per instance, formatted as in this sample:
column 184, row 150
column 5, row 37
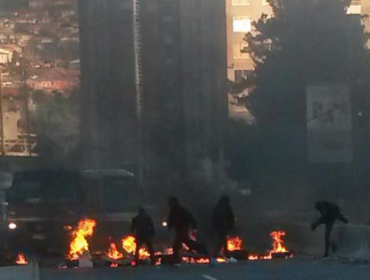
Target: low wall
column 26, row 272
column 351, row 241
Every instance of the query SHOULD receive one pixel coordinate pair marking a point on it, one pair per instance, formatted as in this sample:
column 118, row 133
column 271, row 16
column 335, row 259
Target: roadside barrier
column 351, row 242
column 22, row 272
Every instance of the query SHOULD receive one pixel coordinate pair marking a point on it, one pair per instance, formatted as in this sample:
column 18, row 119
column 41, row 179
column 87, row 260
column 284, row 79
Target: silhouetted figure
column 329, row 214
column 223, row 222
column 182, row 222
column 143, row 229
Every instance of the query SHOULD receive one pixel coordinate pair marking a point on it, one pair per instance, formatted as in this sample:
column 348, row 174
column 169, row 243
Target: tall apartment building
column 108, row 120
column 240, row 16
column 184, row 102
column 365, row 12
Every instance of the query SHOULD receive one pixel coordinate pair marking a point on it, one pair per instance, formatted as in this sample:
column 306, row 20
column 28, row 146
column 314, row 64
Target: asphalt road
column 295, row 269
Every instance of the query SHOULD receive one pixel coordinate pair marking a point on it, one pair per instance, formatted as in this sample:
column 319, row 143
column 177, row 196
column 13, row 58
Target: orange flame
column 221, row 260
column 113, row 253
column 21, row 259
column 129, row 245
column 195, row 260
column 79, row 243
column 253, row 257
column 278, row 245
column 234, row 244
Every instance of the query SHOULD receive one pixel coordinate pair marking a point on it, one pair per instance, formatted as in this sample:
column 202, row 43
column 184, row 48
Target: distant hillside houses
column 7, row 52
column 54, row 79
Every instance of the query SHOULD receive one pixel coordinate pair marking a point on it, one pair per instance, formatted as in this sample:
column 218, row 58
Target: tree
column 306, row 41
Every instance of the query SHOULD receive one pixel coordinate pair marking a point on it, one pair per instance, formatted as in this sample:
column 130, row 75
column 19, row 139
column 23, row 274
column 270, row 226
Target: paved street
column 296, row 269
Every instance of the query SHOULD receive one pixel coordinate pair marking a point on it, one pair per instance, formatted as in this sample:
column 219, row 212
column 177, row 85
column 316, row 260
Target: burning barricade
column 79, row 254
column 122, row 253
column 278, row 248
column 128, row 246
column 79, row 244
column 113, row 252
column 114, row 256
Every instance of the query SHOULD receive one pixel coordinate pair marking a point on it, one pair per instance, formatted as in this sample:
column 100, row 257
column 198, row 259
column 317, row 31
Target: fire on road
column 123, row 253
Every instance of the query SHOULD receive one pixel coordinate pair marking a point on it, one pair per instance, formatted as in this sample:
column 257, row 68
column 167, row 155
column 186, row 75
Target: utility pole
column 2, row 117
column 28, row 117
column 138, row 88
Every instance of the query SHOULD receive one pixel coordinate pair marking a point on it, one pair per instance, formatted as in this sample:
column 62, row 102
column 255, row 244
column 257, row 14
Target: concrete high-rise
column 240, row 16
column 184, row 101
column 108, row 121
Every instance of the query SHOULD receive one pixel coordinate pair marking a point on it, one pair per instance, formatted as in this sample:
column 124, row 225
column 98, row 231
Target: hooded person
column 223, row 221
column 143, row 229
column 329, row 213
column 182, row 222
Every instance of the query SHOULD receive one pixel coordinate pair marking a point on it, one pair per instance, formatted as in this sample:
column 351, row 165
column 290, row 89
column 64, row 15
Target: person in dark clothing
column 182, row 222
column 329, row 212
column 143, row 229
column 223, row 222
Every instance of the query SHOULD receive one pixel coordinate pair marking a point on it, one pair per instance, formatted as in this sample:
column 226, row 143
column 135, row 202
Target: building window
column 355, row 8
column 265, row 3
column 242, row 24
column 241, row 2
column 238, row 52
column 240, row 75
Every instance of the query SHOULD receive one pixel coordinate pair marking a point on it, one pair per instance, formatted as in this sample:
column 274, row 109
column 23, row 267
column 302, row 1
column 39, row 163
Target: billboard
column 329, row 123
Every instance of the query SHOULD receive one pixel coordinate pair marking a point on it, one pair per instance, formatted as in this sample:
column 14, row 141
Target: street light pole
column 2, row 148
column 138, row 88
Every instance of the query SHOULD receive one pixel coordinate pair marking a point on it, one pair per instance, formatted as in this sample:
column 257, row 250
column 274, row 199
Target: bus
column 43, row 206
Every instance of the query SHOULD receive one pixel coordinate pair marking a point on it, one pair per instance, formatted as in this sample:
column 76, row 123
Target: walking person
column 223, row 221
column 329, row 212
column 182, row 222
column 143, row 229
